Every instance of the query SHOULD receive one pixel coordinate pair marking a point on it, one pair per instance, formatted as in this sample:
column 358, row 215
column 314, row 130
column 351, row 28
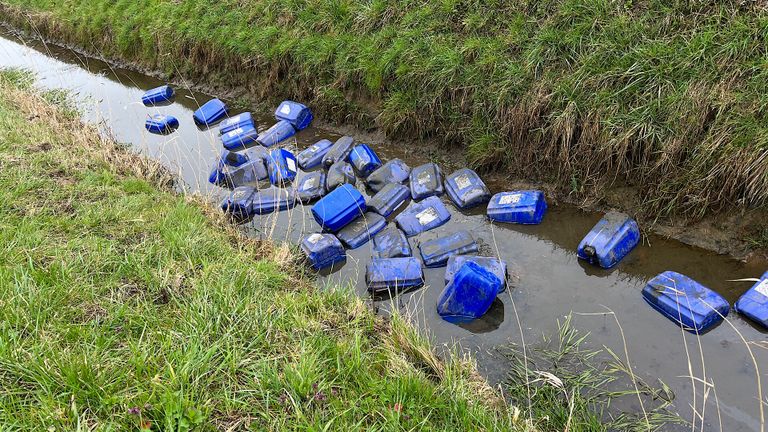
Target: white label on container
column 762, row 287
column 309, row 184
column 314, row 148
column 314, row 238
column 240, row 194
column 510, row 199
column 423, row 178
column 291, row 164
column 426, row 216
column 285, row 109
column 235, row 119
column 462, row 181
column 235, row 132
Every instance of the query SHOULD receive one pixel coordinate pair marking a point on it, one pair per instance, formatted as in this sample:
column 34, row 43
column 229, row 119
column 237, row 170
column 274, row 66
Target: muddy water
column 548, row 281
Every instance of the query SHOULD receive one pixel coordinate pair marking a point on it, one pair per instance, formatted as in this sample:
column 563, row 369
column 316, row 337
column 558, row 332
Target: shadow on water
column 547, row 280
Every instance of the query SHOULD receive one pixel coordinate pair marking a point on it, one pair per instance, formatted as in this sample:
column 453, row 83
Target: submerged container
column 469, row 295
column 426, row 181
column 313, row 156
column 157, row 95
column 240, row 138
column 161, row 124
column 686, row 302
column 338, row 174
column 423, row 216
column 298, row 115
column 338, row 151
column 361, row 230
column 311, row 187
column 435, row 253
column 272, row 200
column 393, row 274
column 391, row 243
column 466, row 189
column 364, row 160
column 389, row 199
column 234, row 122
column 250, row 172
column 754, row 302
column 279, row 132
column 210, row 113
column 323, row 250
column 494, row 265
column 239, row 203
column 338, row 208
column 520, row 207
column 611, row 239
column 229, row 159
column 281, row 164
column 394, row 171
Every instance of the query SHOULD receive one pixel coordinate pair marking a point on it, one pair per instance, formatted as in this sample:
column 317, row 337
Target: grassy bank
column 126, row 306
column 669, row 97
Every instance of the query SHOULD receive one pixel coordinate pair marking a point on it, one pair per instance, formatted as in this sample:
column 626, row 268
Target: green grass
column 125, row 306
column 668, row 96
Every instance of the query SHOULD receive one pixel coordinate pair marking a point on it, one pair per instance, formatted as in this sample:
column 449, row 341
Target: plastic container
column 686, row 302
column 469, row 295
column 278, row 133
column 435, row 253
column 272, row 200
column 423, row 216
column 338, row 174
column 338, row 151
column 338, row 208
column 281, row 165
column 240, row 138
column 611, row 239
column 754, row 303
column 466, row 189
column 250, row 172
column 239, row 203
column 426, row 181
column 229, row 159
column 364, row 160
column 235, row 122
column 518, row 207
column 394, row 171
column 161, row 124
column 494, row 265
column 391, row 243
column 157, row 95
column 311, row 187
column 210, row 113
column 312, row 156
column 323, row 250
column 298, row 115
column 389, row 199
column 393, row 274
column 361, row 230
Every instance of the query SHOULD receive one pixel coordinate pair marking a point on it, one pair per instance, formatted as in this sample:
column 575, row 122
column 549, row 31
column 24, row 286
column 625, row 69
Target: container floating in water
column 389, row 199
column 272, row 200
column 686, row 302
column 210, row 113
column 281, row 164
column 466, row 189
column 161, row 124
column 391, row 243
column 157, row 95
column 361, row 230
column 435, row 253
column 611, row 239
column 228, row 159
column 393, row 274
column 494, row 265
column 235, row 122
column 520, row 207
column 250, row 172
column 338, row 208
column 394, row 171
column 469, row 295
column 278, row 133
column 240, row 139
column 298, row 115
column 239, row 203
column 426, row 181
column 323, row 250
column 312, row 156
column 423, row 216
column 338, row 151
column 754, row 303
column 311, row 187
column 364, row 160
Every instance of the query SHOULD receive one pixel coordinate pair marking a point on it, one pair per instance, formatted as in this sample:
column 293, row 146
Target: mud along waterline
column 548, row 281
